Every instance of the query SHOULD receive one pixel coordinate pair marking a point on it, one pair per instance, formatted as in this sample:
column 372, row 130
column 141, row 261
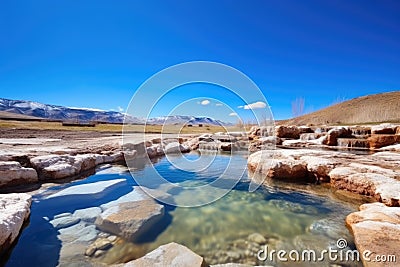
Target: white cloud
column 219, row 104
column 255, row 105
column 233, row 114
column 205, row 102
column 120, row 109
column 240, row 106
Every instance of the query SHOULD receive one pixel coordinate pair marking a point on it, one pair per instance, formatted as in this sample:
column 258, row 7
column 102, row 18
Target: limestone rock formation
column 377, row 184
column 175, row 147
column 171, row 254
column 382, row 140
column 385, row 128
column 287, row 132
column 62, row 166
column 335, row 133
column 12, row 173
column 14, row 210
column 376, row 229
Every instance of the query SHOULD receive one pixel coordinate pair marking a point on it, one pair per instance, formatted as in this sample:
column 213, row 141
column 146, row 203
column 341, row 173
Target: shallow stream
column 232, row 229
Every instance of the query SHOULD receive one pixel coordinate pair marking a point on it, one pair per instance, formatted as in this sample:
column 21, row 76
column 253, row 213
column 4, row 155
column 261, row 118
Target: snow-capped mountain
column 179, row 119
column 53, row 112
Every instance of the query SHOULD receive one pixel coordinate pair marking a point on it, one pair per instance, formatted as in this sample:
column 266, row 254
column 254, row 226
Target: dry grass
column 9, row 115
column 38, row 125
column 369, row 109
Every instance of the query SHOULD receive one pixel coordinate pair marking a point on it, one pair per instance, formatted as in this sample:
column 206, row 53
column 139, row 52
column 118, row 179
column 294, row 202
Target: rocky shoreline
column 375, row 175
column 376, row 227
column 27, row 164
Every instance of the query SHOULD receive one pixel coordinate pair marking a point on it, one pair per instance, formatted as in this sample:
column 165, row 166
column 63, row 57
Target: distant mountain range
column 179, row 119
column 60, row 113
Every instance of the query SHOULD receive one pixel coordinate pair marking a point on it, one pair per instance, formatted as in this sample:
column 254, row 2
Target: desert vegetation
column 117, row 128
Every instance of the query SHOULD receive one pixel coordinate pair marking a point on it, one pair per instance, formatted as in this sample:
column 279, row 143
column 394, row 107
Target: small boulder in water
column 257, row 238
column 131, row 219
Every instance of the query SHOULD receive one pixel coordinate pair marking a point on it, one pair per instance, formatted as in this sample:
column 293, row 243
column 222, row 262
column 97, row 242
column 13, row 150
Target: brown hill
column 377, row 108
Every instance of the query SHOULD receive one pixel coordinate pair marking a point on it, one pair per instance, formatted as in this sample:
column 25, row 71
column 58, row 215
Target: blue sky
column 97, row 53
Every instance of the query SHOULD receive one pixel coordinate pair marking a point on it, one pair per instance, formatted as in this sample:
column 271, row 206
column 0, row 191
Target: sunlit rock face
column 376, row 228
column 14, row 210
column 12, row 173
column 171, row 254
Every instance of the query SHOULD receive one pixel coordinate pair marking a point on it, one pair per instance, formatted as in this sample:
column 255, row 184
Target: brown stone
column 277, row 166
column 335, row 133
column 385, row 128
column 376, row 228
column 381, row 140
column 287, row 132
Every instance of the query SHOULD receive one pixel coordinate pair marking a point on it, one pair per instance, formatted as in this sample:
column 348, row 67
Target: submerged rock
column 64, row 222
column 257, row 238
column 77, row 233
column 171, row 254
column 130, row 219
column 102, row 243
column 135, row 195
column 88, row 215
column 376, row 228
column 14, row 210
column 93, row 190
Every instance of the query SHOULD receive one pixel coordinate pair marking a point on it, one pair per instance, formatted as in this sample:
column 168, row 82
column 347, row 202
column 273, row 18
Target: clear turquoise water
column 289, row 216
